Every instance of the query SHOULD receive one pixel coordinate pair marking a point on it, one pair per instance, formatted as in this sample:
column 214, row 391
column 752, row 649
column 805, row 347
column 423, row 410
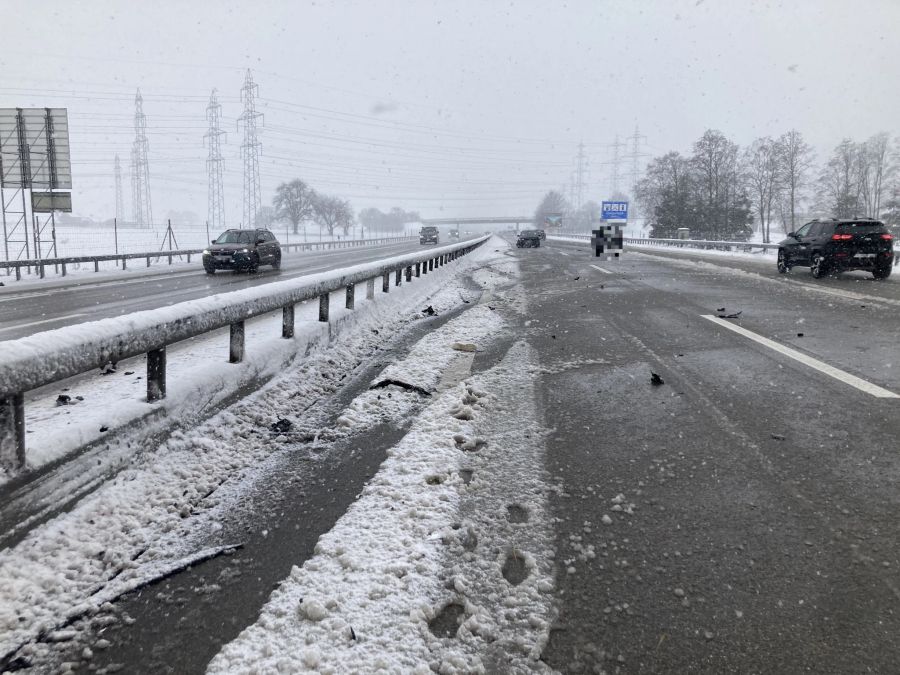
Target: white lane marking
column 815, row 364
column 37, row 323
column 601, row 269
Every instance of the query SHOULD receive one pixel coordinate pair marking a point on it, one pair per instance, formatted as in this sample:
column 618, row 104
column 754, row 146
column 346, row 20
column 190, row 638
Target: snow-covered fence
column 685, row 243
column 60, row 264
column 44, row 358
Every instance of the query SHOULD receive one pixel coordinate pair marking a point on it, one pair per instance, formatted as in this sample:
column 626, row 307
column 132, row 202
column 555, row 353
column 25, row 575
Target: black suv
column 428, row 235
column 242, row 249
column 832, row 246
column 528, row 239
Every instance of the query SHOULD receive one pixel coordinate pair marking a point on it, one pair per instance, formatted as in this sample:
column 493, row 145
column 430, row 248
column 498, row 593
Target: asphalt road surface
column 763, row 536
column 58, row 303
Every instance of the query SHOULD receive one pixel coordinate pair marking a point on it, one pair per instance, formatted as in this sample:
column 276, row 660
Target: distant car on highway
column 528, row 239
column 429, row 235
column 242, row 249
column 833, row 246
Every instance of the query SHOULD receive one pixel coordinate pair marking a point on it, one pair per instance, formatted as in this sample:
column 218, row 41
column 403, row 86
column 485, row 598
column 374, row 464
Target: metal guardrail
column 38, row 360
column 685, row 243
column 41, row 264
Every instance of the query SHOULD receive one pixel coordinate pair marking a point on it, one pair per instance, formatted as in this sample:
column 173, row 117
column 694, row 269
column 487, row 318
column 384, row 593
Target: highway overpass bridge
column 506, row 220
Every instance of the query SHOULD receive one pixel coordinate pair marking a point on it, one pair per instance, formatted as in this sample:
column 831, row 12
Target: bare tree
column 839, row 181
column 874, row 170
column 552, row 204
column 795, row 161
column 331, row 213
column 724, row 209
column 294, row 202
column 761, row 161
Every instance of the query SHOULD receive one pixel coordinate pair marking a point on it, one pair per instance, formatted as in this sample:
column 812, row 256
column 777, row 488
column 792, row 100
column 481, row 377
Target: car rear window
column 858, row 228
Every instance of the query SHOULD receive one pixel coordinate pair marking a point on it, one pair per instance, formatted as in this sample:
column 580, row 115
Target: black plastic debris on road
column 389, row 382
column 282, row 426
column 429, row 311
column 730, row 316
column 656, row 380
column 62, row 399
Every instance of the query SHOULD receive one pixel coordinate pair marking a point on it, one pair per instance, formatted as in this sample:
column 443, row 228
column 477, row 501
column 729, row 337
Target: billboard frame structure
column 34, row 155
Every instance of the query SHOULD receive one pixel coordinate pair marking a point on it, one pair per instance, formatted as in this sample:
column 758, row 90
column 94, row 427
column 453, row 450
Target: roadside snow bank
column 428, row 571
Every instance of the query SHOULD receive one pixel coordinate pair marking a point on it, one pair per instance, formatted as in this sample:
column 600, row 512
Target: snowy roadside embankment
column 445, row 562
column 130, row 528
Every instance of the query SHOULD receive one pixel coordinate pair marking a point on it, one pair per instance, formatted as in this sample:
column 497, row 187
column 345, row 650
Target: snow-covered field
column 395, row 578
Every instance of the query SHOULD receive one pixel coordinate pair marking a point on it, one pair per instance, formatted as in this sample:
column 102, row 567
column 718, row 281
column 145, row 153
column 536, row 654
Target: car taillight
column 841, row 237
column 889, row 237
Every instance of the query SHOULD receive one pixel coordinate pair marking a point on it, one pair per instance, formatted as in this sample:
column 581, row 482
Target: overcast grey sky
column 456, row 108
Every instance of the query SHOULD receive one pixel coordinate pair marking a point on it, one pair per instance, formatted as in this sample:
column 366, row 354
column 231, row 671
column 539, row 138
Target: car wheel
column 254, row 264
column 817, row 266
column 882, row 272
column 276, row 263
column 209, row 270
column 783, row 266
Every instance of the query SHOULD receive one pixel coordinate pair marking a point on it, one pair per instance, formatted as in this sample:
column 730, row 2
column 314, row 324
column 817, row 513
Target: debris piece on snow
column 655, row 379
column 464, row 347
column 110, row 367
column 103, row 429
column 62, row 399
column 282, row 426
column 799, row 334
column 129, row 372
column 429, row 311
column 721, row 309
column 777, row 437
column 403, row 385
column 735, row 315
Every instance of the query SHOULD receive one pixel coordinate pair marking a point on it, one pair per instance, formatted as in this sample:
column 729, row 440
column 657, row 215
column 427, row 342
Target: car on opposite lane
column 242, row 249
column 429, row 235
column 832, row 246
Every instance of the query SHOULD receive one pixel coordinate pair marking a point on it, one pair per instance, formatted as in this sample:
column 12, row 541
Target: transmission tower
column 614, row 165
column 580, row 175
column 635, row 155
column 120, row 198
column 250, row 151
column 140, row 167
column 215, row 164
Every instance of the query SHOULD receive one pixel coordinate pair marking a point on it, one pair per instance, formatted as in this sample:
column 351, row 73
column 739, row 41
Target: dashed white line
column 601, row 269
column 815, row 364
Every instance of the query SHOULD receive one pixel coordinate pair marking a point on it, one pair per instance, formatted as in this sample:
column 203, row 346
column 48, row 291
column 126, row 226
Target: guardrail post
column 170, row 259
column 418, row 269
column 12, row 431
column 64, row 269
column 156, row 374
column 386, row 282
column 189, row 258
column 397, row 277
column 96, row 265
column 430, row 264
column 287, row 321
column 124, row 262
column 236, row 346
column 323, row 307
column 41, row 269
column 148, row 261
column 370, row 289
column 409, row 274
column 18, row 273
column 351, row 293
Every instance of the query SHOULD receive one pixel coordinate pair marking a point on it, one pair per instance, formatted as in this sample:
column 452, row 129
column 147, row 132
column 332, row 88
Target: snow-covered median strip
column 444, row 564
column 144, row 518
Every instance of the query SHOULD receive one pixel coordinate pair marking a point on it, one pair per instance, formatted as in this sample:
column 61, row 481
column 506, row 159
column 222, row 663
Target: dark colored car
column 833, row 246
column 428, row 235
column 242, row 249
column 528, row 239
